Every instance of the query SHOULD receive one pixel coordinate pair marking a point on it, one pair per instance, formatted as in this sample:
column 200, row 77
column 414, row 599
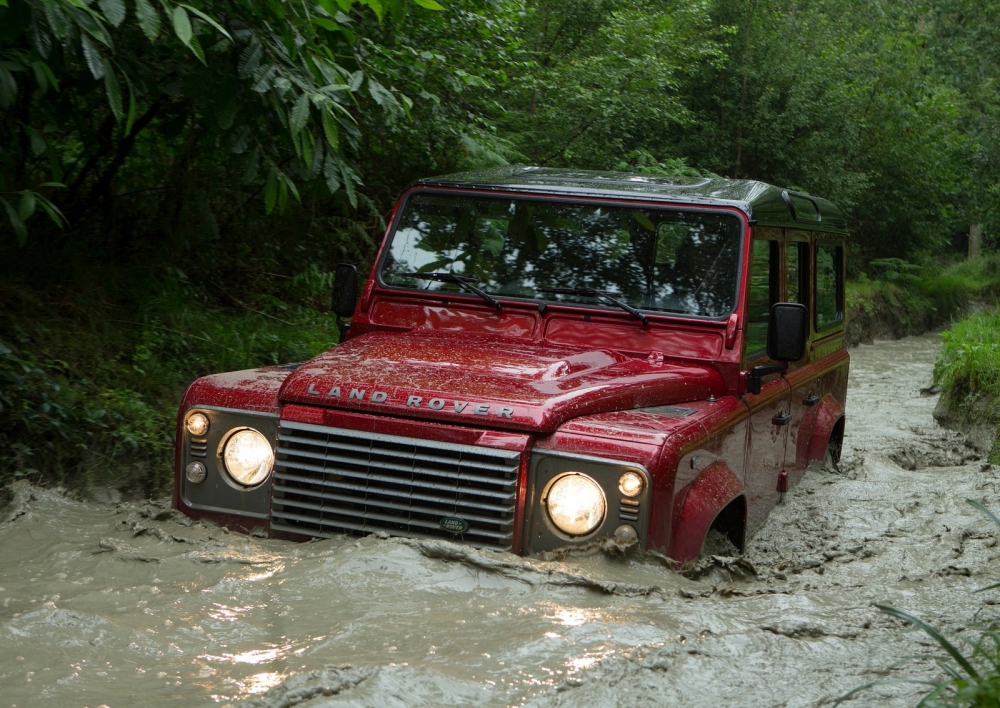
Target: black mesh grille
column 331, row 480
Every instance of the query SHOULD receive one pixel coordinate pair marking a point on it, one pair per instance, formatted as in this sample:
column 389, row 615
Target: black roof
column 764, row 204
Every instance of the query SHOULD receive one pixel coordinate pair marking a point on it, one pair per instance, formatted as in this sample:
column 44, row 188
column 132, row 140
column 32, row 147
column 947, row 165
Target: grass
column 897, row 298
column 968, row 370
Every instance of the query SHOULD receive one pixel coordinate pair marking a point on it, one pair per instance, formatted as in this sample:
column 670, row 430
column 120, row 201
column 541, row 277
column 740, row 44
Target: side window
column 763, row 293
column 829, row 284
column 797, row 272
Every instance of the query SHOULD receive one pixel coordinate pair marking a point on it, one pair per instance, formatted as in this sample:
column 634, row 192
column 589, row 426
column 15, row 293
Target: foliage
column 90, row 389
column 968, row 367
column 272, row 89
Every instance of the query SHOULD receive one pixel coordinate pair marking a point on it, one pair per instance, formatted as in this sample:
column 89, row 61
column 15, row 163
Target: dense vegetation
column 968, row 370
column 178, row 179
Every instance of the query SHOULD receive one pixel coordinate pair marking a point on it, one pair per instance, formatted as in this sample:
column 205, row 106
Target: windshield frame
column 643, row 200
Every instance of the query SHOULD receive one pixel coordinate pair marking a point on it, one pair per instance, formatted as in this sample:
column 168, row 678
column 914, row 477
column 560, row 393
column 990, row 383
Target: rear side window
column 763, row 293
column 797, row 272
column 829, row 285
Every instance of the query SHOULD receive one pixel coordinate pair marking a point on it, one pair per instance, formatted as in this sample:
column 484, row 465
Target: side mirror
column 345, row 290
column 787, row 332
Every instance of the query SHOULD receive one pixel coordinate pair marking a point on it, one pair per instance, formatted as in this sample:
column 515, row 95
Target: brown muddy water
column 128, row 604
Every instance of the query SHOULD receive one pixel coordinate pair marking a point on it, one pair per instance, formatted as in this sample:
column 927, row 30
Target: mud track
column 130, row 604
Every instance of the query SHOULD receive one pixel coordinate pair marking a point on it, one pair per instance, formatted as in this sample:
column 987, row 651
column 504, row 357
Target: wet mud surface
column 131, row 604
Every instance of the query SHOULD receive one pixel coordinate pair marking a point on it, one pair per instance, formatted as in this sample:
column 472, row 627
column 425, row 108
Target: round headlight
column 197, row 424
column 248, row 457
column 575, row 504
column 631, row 483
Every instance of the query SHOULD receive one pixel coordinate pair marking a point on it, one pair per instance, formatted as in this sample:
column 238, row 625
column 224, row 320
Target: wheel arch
column 715, row 498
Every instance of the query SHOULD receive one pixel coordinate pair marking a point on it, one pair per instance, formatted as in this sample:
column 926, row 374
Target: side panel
column 819, row 393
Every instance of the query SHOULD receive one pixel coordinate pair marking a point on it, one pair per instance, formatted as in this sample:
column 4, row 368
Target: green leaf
column 53, row 81
column 130, row 120
column 209, row 20
column 326, row 24
column 149, row 18
column 114, row 90
column 114, row 11
column 332, row 174
column 429, row 4
column 195, row 46
column 27, row 206
column 330, row 130
column 52, row 210
column 15, row 221
column 376, row 7
column 936, row 636
column 182, row 25
column 382, row 96
column 94, row 59
column 977, row 505
column 355, row 81
column 292, row 188
column 349, row 179
column 250, row 59
column 300, row 114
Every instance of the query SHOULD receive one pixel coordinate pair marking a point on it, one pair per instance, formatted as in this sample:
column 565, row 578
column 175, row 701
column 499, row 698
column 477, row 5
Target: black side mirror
column 345, row 295
column 787, row 332
column 345, row 290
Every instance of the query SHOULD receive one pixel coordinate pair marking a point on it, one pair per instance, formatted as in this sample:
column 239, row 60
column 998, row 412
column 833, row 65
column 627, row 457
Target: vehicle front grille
column 332, row 480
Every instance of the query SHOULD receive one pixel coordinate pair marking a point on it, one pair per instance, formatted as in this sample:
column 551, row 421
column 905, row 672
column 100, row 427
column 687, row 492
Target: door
column 769, row 410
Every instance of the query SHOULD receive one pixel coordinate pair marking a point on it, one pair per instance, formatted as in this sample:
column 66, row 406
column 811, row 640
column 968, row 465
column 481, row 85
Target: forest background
column 179, row 179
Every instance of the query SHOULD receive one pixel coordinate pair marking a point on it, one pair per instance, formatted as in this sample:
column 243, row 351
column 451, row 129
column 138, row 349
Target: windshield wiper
column 593, row 292
column 462, row 281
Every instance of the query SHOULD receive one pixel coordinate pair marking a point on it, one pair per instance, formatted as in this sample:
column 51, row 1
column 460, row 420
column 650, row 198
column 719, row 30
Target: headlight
column 248, row 457
column 631, row 483
column 575, row 504
column 197, row 424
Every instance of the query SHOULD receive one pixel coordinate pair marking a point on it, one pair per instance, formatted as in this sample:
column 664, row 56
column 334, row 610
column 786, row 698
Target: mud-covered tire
column 717, row 543
column 831, row 458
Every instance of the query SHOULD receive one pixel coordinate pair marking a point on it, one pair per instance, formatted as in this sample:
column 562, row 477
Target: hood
column 489, row 381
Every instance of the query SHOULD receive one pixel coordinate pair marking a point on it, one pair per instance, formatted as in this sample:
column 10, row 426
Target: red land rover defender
column 542, row 358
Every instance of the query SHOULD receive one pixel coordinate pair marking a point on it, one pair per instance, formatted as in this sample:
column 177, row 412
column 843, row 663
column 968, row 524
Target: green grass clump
column 968, row 369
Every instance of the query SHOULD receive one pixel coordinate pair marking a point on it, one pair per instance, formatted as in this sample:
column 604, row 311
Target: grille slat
column 343, row 460
column 481, row 464
column 332, row 480
column 385, row 491
column 385, row 504
column 425, row 484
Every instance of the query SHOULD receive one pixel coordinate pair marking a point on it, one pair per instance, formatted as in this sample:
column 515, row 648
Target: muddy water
column 128, row 604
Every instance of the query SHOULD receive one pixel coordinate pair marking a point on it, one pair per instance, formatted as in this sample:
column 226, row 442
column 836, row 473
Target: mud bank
column 130, row 604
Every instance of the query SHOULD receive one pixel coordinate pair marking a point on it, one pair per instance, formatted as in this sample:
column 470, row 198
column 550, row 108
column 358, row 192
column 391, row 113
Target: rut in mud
column 130, row 604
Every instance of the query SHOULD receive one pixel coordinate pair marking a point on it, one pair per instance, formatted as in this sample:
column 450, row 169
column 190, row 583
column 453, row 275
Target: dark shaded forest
column 179, row 180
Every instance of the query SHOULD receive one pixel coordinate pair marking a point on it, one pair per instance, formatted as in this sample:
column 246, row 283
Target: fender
column 694, row 512
column 828, row 412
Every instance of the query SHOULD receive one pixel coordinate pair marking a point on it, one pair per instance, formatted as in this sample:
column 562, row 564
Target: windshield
column 653, row 259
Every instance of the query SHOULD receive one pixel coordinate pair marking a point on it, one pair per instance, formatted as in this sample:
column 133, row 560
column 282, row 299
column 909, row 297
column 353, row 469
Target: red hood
column 491, row 381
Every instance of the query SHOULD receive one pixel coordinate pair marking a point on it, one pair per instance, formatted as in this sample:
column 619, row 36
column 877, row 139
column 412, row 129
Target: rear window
column 829, row 285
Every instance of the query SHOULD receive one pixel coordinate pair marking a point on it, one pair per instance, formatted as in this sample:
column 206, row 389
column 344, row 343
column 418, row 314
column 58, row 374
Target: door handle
column 811, row 400
column 781, row 419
